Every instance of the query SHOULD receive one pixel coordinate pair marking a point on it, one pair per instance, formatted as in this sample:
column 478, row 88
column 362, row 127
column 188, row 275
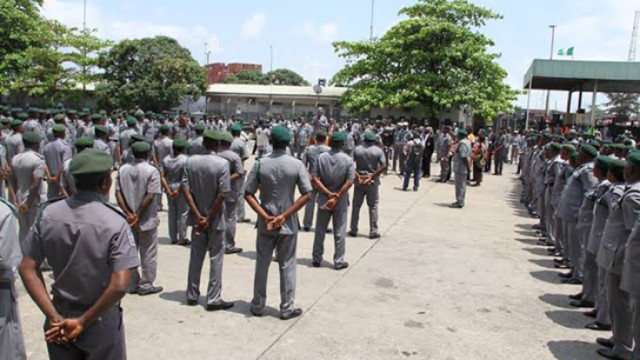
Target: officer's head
column 280, row 137
column 179, row 145
column 91, row 170
column 83, row 143
column 31, row 140
column 616, row 170
column 200, row 128
column 236, row 130
column 337, row 140
column 587, row 154
column 210, row 139
column 321, row 137
column 141, row 149
column 225, row 140
column 632, row 170
column 567, row 150
column 554, row 149
column 601, row 167
column 462, row 134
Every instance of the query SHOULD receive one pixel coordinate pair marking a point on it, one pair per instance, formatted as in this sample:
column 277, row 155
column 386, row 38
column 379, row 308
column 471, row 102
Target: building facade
column 219, row 72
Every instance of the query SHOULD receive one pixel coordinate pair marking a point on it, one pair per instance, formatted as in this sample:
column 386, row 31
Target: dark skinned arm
column 215, row 208
column 234, row 177
column 279, row 220
column 165, row 186
column 320, row 186
column 33, row 191
column 255, row 205
column 144, row 206
column 34, row 284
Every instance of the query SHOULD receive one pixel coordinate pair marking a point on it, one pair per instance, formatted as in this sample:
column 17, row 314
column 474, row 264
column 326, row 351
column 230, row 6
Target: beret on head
column 369, row 136
column 131, row 120
column 321, row 134
column 16, row 122
column 226, row 137
column 339, row 136
column 236, row 127
column 569, row 148
column 180, row 143
column 23, row 116
column 603, row 162
column 556, row 146
column 84, row 142
column 90, row 162
column 59, row 128
column 101, row 128
column 141, row 147
column 462, row 132
column 619, row 146
column 617, row 163
column 280, row 134
column 31, row 137
column 589, row 150
column 211, row 135
column 634, row 158
column 137, row 137
column 58, row 118
column 200, row 127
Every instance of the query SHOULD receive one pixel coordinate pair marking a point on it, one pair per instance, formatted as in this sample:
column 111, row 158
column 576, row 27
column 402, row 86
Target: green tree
column 253, row 77
column 623, row 105
column 286, row 77
column 86, row 48
column 436, row 58
column 153, row 73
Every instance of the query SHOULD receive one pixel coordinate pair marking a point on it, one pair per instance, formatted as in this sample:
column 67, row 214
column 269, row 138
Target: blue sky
column 301, row 31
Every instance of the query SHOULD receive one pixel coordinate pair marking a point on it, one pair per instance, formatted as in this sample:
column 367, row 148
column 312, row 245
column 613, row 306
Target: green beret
column 58, row 118
column 137, row 137
column 165, row 127
column 200, row 127
column 617, row 163
column 226, row 137
column 369, row 136
column 321, row 134
column 608, row 142
column 83, row 114
column 16, row 122
column 280, row 134
column 339, row 136
column 16, row 110
column 547, row 136
column 569, row 148
column 561, row 138
column 72, row 112
column 595, row 143
column 603, row 162
column 31, row 137
column 131, row 121
column 547, row 146
column 236, row 127
column 84, row 142
column 141, row 147
column 621, row 138
column 628, row 142
column 90, row 162
column 462, row 132
column 32, row 110
column 5, row 121
column 211, row 135
column 180, row 143
column 634, row 158
column 619, row 146
column 161, row 117
column 23, row 116
column 149, row 113
column 556, row 146
column 101, row 128
column 589, row 150
column 573, row 156
column 59, row 128
column 97, row 117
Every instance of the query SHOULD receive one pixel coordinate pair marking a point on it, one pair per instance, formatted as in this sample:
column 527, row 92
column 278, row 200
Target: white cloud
column 71, row 13
column 328, row 33
column 253, row 26
column 323, row 34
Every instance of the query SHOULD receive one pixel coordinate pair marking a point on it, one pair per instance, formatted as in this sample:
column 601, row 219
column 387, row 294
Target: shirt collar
column 89, row 196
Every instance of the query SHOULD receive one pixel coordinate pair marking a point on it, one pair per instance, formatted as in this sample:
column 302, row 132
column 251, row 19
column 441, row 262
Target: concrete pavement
column 441, row 283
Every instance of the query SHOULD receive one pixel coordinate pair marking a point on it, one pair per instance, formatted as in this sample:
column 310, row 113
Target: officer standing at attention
column 276, row 177
column 461, row 158
column 206, row 184
column 27, row 174
column 89, row 245
column 14, row 142
column 56, row 152
column 67, row 182
column 370, row 163
column 413, row 164
column 137, row 189
column 101, row 139
column 309, row 159
column 239, row 147
column 125, row 135
column 11, row 340
column 444, row 143
column 172, row 170
column 333, row 176
column 195, row 144
column 236, row 171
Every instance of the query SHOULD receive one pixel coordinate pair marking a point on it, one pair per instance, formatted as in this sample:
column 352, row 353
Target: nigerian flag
column 570, row 51
column 561, row 52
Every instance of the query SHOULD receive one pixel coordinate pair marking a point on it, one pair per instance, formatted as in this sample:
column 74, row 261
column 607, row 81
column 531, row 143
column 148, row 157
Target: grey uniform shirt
column 15, row 146
column 135, row 181
column 235, row 167
column 580, row 182
column 463, row 152
column 173, row 168
column 444, row 142
column 162, row 148
column 602, row 197
column 125, row 138
column 205, row 176
column 334, row 168
column 276, row 175
column 55, row 154
column 98, row 144
column 239, row 147
column 84, row 240
column 368, row 159
column 26, row 167
column 195, row 146
column 10, row 254
column 311, row 154
column 67, row 181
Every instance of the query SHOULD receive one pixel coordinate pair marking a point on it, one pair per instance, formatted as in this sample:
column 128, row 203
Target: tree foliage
column 278, row 76
column 253, row 77
column 286, row 77
column 435, row 59
column 153, row 73
column 623, row 105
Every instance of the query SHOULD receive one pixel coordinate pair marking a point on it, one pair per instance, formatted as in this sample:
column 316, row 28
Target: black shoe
column 316, row 264
column 559, row 261
column 306, row 229
column 341, row 265
column 223, row 305
column 245, row 220
column 415, row 189
column 576, row 296
column 404, row 189
column 132, row 290
column 608, row 343
column 598, row 326
column 186, row 242
column 536, row 227
column 582, row 304
column 256, row 314
column 571, row 281
column 562, row 266
column 374, row 236
column 191, row 302
column 352, row 234
column 592, row 314
column 150, row 291
column 294, row 314
column 609, row 354
column 233, row 250
column 566, row 275
column 329, row 231
column 456, row 206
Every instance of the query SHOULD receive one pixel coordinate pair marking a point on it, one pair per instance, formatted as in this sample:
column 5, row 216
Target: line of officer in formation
column 586, row 193
column 203, row 189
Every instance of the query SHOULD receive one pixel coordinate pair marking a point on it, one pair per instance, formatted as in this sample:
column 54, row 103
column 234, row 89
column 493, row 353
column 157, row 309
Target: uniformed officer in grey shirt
column 236, row 171
column 55, row 153
column 89, row 245
column 125, row 135
column 67, row 181
column 239, row 146
column 137, row 189
column 15, row 145
column 276, row 176
column 11, row 340
column 172, row 170
column 444, row 143
column 101, row 141
column 195, row 144
column 309, row 159
column 333, row 175
column 413, row 162
column 27, row 175
column 461, row 156
column 206, row 184
column 370, row 163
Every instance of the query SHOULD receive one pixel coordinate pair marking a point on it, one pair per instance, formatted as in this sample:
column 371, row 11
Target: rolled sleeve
column 153, row 186
column 123, row 254
column 224, row 185
column 31, row 245
column 304, row 183
column 631, row 209
column 251, row 185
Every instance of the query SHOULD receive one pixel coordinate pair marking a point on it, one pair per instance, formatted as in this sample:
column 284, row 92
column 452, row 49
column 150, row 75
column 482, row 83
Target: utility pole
column 371, row 26
column 84, row 16
column 553, row 37
column 206, row 60
column 634, row 37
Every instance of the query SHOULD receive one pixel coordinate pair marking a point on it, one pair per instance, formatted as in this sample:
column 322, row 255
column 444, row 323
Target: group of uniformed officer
column 586, row 193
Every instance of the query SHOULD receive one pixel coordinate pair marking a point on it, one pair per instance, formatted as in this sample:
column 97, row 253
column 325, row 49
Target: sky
column 301, row 31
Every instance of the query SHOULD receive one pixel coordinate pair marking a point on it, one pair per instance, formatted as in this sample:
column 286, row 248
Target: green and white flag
column 561, row 52
column 570, row 51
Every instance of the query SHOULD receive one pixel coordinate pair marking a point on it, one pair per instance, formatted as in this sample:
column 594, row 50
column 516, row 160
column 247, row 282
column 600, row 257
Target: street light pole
column 553, row 37
column 84, row 16
column 371, row 26
column 205, row 53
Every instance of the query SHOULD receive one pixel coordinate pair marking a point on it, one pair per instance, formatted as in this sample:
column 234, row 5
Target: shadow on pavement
column 541, row 251
column 568, row 319
column 248, row 255
column 547, row 276
column 545, row 263
column 573, row 350
column 558, row 300
column 177, row 296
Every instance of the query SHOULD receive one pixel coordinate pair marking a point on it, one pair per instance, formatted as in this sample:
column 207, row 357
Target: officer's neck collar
column 83, row 195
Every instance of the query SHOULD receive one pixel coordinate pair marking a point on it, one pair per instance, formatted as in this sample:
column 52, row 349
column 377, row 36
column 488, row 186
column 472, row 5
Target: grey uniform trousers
column 26, row 220
column 147, row 243
column 445, row 169
column 104, row 339
column 53, row 190
column 573, row 245
column 240, row 202
column 11, row 340
column 549, row 215
column 635, row 321
column 309, row 210
column 603, row 315
column 590, row 278
column 620, row 311
column 285, row 246
column 230, row 217
column 398, row 156
column 178, row 213
column 461, row 187
column 211, row 241
column 542, row 209
column 339, row 217
column 370, row 192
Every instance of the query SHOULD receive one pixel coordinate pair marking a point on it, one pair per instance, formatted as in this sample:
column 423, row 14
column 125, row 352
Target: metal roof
column 572, row 75
column 274, row 91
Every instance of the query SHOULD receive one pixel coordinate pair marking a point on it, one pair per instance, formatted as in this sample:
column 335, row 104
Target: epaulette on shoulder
column 43, row 206
column 10, row 205
column 115, row 209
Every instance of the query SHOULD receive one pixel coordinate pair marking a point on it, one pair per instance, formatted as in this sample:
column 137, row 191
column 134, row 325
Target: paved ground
column 440, row 284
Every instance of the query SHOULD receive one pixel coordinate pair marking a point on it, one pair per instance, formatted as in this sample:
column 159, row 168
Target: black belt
column 6, row 285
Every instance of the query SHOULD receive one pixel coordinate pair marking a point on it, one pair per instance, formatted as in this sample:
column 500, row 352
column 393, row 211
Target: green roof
column 573, row 75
